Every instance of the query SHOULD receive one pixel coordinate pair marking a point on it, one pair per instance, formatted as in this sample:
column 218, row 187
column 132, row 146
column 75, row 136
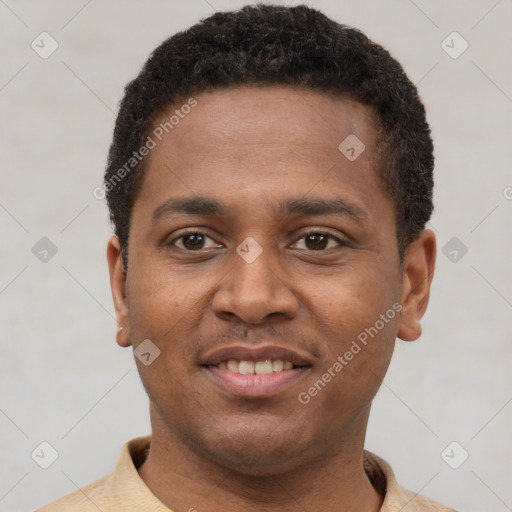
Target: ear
column 118, row 288
column 418, row 272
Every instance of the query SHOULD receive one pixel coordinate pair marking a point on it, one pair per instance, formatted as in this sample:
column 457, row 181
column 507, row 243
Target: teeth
column 255, row 368
column 233, row 366
column 246, row 368
column 263, row 367
column 277, row 365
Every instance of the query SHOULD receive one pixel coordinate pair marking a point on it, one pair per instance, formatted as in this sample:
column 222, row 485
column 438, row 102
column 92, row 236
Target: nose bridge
column 252, row 267
column 253, row 289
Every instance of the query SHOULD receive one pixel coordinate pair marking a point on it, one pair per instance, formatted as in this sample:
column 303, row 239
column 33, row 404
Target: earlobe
column 419, row 263
column 118, row 288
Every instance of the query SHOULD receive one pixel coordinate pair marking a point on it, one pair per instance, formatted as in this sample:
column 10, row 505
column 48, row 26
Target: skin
column 253, row 148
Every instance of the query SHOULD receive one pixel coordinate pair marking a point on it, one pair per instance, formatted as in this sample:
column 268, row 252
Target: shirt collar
column 127, row 491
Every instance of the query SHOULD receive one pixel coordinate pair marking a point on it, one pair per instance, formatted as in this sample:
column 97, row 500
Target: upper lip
column 262, row 353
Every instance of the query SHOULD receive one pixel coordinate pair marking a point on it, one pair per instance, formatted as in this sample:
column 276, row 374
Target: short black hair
column 277, row 45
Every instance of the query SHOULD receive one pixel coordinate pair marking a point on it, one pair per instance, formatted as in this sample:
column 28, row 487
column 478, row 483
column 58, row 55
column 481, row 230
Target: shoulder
column 396, row 497
column 408, row 501
column 88, row 499
column 120, row 490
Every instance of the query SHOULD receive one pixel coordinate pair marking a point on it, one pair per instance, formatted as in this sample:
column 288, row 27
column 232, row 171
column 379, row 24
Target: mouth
column 256, row 367
column 255, row 372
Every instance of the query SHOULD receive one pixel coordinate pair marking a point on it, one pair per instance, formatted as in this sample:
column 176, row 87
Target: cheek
column 169, row 310
column 353, row 298
column 359, row 319
column 162, row 302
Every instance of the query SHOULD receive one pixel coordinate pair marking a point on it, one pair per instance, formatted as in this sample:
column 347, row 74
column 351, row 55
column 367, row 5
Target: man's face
column 200, row 289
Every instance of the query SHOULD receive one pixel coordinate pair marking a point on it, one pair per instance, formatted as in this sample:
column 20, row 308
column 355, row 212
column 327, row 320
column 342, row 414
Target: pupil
column 196, row 241
column 315, row 238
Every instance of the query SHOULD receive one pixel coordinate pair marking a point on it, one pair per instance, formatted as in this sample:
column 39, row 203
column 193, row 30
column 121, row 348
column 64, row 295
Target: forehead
column 262, row 142
column 271, row 114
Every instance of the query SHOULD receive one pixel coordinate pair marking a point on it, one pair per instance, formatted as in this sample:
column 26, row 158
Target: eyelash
column 341, row 243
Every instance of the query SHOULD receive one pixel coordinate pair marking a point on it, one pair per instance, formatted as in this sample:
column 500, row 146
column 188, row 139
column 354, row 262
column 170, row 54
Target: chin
column 255, row 454
column 255, row 462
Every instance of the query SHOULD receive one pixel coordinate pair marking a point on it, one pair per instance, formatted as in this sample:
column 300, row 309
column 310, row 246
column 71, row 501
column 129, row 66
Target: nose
column 255, row 292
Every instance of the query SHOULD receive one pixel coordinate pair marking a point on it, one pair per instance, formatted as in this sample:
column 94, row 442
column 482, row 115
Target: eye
column 193, row 241
column 318, row 241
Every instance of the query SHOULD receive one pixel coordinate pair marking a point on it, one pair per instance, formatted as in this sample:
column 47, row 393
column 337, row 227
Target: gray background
column 63, row 378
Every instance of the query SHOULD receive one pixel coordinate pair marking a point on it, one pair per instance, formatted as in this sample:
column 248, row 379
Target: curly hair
column 277, row 45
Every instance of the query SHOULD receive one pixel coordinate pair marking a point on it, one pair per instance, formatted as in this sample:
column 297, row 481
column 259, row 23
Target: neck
column 183, row 479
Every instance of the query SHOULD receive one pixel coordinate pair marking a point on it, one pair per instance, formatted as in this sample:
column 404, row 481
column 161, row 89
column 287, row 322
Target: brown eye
column 194, row 241
column 318, row 241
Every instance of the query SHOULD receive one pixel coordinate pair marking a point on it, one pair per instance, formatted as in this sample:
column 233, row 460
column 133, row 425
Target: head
column 269, row 182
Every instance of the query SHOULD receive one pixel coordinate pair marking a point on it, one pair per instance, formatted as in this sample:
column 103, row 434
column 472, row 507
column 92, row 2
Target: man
column 269, row 182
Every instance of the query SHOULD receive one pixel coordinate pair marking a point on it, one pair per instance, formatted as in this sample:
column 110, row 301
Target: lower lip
column 256, row 385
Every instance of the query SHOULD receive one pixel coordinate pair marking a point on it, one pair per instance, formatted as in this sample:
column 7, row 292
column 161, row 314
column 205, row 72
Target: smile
column 255, row 367
column 255, row 372
column 254, row 385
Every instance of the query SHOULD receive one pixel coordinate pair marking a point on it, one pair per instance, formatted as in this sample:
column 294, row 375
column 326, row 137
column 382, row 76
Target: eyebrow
column 320, row 206
column 196, row 205
column 207, row 206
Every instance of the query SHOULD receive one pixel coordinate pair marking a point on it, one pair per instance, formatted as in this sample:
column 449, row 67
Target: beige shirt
column 125, row 491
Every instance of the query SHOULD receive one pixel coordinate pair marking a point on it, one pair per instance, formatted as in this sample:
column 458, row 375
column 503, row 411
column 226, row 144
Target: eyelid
column 190, row 231
column 306, row 231
column 342, row 241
